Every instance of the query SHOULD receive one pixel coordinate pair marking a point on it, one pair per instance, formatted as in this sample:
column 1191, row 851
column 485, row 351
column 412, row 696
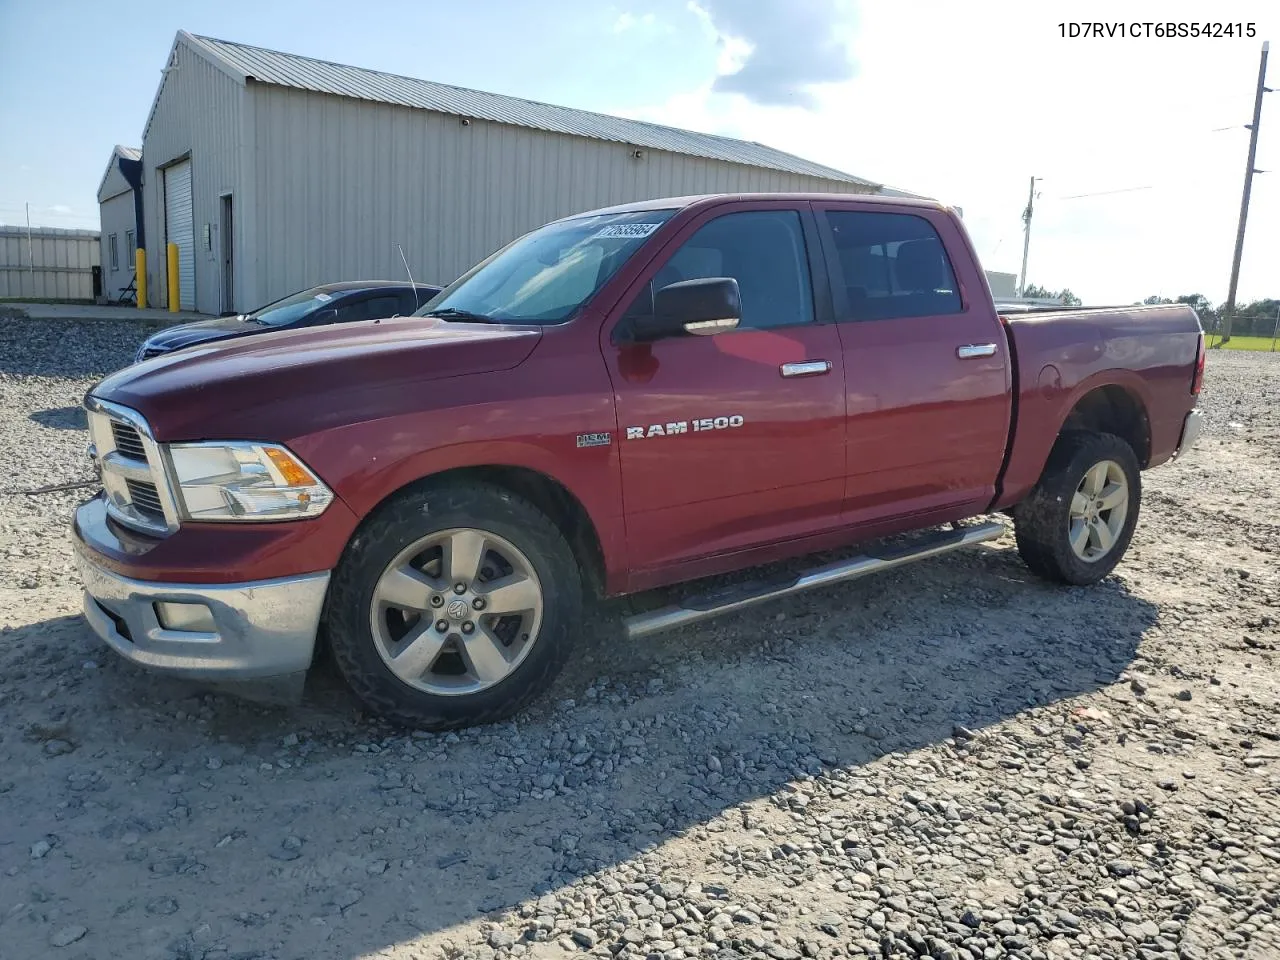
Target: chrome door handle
column 806, row 368
column 971, row 350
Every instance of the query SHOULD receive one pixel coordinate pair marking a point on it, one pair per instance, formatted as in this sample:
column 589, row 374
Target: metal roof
column 129, row 153
column 320, row 76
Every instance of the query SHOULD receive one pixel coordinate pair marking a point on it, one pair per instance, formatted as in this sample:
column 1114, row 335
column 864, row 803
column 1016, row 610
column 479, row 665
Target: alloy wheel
column 1098, row 511
column 456, row 612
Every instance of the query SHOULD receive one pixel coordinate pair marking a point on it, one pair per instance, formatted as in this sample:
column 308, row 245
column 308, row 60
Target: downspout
column 131, row 170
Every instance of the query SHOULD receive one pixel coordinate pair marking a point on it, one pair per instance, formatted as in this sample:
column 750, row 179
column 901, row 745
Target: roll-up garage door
column 178, row 229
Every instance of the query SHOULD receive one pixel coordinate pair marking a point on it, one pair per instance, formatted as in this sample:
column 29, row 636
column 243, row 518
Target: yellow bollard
column 140, row 272
column 173, row 278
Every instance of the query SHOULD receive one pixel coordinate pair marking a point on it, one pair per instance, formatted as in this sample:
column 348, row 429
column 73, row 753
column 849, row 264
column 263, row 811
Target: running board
column 732, row 598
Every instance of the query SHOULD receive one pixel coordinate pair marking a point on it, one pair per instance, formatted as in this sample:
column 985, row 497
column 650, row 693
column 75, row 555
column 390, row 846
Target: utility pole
column 1230, row 308
column 1026, row 237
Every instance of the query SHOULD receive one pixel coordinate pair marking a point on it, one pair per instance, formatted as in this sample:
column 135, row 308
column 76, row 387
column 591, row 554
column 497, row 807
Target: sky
column 1140, row 142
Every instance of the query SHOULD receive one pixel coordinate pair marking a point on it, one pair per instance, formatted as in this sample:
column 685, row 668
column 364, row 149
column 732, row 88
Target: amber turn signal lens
column 295, row 475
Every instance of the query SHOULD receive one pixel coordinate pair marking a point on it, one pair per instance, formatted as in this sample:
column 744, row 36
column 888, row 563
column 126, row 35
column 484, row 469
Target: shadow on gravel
column 62, row 418
column 343, row 837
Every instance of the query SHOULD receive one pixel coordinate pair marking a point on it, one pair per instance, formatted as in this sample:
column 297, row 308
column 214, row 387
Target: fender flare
column 1043, row 413
column 599, row 504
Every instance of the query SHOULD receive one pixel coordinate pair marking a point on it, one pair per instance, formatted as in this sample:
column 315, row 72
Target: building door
column 178, row 229
column 228, row 261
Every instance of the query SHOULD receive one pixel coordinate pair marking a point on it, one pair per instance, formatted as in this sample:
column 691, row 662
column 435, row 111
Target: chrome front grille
column 146, row 498
column 129, row 461
column 128, row 442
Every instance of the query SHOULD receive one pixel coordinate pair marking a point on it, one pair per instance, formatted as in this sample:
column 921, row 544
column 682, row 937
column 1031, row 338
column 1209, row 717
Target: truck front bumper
column 213, row 632
column 1192, row 426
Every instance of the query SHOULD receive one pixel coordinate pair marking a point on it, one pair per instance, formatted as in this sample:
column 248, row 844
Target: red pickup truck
column 630, row 398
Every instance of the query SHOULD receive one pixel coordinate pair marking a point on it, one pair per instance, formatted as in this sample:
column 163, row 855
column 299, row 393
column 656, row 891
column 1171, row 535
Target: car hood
column 202, row 331
column 287, row 383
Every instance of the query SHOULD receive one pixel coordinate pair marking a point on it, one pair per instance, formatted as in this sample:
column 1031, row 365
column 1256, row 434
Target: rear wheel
column 1077, row 523
column 454, row 606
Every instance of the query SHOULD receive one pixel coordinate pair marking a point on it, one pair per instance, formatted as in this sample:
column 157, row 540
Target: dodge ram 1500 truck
column 631, row 398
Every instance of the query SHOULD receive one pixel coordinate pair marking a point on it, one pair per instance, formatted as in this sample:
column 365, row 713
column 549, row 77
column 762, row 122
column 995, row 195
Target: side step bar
column 736, row 597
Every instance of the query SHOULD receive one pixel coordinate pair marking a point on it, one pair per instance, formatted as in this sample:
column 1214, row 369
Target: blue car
column 328, row 303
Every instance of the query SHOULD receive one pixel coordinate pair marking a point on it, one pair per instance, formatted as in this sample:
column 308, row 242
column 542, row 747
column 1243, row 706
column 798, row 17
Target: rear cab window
column 889, row 265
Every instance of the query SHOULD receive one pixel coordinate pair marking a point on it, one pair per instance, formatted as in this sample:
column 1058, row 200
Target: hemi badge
column 594, row 439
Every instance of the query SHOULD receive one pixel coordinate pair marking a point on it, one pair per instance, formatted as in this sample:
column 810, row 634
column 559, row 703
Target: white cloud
column 777, row 51
column 966, row 106
column 629, row 21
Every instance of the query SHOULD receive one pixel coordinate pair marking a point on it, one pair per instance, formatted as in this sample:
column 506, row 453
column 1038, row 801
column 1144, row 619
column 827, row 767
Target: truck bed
column 1139, row 357
column 1011, row 308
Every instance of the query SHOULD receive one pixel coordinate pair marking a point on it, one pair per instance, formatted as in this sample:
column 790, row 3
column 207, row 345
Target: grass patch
column 1262, row 344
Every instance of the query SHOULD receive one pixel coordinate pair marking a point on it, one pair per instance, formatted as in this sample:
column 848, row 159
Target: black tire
column 1041, row 521
column 417, row 514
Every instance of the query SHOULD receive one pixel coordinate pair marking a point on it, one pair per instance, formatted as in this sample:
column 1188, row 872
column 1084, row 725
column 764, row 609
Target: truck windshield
column 545, row 276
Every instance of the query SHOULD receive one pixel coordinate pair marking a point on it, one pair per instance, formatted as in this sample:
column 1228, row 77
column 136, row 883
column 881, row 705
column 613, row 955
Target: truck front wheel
column 454, row 606
column 1077, row 523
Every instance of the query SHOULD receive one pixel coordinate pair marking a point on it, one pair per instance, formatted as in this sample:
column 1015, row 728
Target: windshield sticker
column 627, row 231
column 323, row 296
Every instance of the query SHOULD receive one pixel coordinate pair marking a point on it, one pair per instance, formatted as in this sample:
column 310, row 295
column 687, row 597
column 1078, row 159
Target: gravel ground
column 950, row 761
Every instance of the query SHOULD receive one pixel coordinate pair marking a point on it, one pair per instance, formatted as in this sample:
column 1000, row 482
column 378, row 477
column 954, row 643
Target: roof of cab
column 710, row 199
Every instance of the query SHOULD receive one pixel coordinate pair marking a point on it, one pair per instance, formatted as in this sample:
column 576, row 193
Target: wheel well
column 1113, row 409
column 549, row 496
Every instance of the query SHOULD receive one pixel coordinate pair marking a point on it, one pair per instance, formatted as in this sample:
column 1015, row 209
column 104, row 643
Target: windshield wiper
column 452, row 313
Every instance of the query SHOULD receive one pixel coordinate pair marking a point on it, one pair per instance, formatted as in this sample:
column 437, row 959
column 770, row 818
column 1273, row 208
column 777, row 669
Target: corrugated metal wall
column 56, row 265
column 339, row 182
column 199, row 113
column 114, row 183
column 117, row 218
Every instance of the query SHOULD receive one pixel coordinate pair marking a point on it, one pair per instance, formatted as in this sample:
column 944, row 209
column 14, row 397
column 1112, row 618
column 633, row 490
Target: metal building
column 272, row 172
column 1004, row 286
column 120, row 210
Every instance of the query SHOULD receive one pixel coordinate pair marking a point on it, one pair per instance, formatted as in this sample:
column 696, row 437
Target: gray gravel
column 951, row 761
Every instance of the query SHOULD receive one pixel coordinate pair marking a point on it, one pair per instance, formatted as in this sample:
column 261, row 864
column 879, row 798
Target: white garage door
column 178, row 229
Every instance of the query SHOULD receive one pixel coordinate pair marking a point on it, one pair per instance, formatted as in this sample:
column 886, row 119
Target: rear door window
column 891, row 265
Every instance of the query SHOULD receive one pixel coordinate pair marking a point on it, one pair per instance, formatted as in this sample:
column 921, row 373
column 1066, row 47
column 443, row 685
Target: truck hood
column 289, row 383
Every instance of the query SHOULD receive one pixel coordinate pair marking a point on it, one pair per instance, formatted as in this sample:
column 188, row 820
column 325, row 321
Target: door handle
column 971, row 350
column 806, row 368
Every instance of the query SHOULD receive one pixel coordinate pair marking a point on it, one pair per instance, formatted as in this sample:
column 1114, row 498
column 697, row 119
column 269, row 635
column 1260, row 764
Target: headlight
column 244, row 481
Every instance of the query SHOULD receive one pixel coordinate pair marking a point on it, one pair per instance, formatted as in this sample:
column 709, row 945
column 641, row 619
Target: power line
column 1105, row 193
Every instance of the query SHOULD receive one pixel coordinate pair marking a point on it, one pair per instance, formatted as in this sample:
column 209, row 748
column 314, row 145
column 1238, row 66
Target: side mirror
column 701, row 307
